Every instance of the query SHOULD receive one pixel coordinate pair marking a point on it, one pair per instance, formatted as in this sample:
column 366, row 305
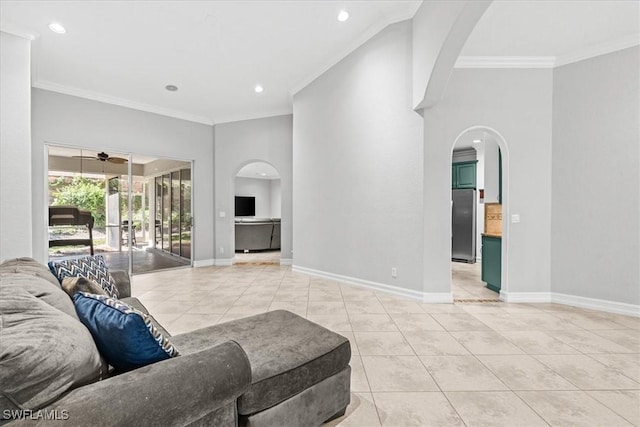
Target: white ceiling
column 558, row 28
column 126, row 52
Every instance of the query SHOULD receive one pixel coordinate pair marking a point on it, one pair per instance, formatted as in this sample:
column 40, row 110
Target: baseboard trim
column 597, row 304
column 203, row 263
column 434, row 298
column 572, row 300
column 286, row 261
column 225, row 262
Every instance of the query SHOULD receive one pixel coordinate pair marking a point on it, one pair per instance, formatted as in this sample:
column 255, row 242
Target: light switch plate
column 515, row 218
column 222, row 214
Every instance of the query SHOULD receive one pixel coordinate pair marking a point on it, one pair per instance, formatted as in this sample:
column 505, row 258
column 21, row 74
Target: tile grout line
column 364, row 370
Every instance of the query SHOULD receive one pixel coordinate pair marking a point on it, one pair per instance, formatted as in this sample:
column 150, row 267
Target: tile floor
column 467, row 283
column 415, row 364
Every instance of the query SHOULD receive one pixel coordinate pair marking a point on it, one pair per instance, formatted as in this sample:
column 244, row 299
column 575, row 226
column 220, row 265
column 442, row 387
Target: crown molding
column 598, row 49
column 18, row 30
column 253, row 116
column 365, row 36
column 100, row 97
column 54, row 87
column 505, row 62
column 548, row 61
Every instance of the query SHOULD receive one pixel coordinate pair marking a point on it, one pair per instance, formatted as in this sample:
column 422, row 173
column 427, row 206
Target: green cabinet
column 492, row 261
column 463, row 175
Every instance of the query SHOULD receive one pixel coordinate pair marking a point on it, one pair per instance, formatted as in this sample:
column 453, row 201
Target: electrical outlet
column 221, row 250
column 394, row 272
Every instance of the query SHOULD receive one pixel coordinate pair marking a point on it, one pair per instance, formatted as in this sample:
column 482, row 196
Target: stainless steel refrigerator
column 463, row 225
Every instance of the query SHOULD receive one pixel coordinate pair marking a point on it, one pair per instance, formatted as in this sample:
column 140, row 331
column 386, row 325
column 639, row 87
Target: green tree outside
column 85, row 193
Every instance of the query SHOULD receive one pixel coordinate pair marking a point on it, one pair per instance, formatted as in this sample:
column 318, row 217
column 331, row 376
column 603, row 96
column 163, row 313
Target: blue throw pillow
column 125, row 337
column 90, row 267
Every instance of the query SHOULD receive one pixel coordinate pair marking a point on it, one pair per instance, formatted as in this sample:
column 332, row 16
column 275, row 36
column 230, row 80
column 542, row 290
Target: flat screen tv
column 245, row 206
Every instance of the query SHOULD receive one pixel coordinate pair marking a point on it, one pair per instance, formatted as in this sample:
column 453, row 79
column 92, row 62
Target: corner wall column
column 437, row 209
column 16, row 236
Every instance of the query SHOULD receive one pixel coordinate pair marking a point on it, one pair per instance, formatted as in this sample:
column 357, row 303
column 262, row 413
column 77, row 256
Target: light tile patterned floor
column 413, row 364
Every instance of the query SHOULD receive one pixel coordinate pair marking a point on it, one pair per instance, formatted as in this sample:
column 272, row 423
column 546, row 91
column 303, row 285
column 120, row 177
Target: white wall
column 276, row 198
column 261, row 190
column 357, row 149
column 236, row 145
column 15, row 147
column 517, row 103
column 79, row 122
column 595, row 229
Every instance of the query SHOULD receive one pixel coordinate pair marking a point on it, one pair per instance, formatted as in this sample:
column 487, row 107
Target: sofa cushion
column 40, row 289
column 71, row 285
column 44, row 352
column 125, row 336
column 28, row 266
column 90, row 267
column 288, row 354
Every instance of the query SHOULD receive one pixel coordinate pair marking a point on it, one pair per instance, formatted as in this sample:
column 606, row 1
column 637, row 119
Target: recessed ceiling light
column 171, row 88
column 263, row 174
column 57, row 28
column 258, row 89
column 343, row 15
column 477, row 141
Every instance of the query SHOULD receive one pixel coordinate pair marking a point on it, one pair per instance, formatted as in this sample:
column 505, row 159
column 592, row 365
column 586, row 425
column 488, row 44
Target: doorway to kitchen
column 257, row 214
column 478, row 234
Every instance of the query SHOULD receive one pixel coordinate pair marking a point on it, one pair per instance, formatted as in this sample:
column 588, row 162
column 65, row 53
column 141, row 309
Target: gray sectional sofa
column 273, row 369
column 257, row 234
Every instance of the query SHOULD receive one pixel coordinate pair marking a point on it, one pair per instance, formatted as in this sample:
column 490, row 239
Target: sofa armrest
column 176, row 391
column 122, row 282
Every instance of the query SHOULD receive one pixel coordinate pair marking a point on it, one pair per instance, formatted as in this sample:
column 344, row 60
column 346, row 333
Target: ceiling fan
column 104, row 157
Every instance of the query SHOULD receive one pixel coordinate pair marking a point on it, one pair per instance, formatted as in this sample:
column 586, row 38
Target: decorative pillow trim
column 126, row 337
column 125, row 308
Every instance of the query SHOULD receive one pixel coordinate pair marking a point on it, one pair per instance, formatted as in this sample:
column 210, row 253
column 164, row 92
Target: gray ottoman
column 300, row 374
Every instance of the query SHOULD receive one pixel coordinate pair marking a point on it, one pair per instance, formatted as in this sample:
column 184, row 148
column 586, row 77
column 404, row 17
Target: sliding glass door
column 133, row 210
column 185, row 213
column 173, row 212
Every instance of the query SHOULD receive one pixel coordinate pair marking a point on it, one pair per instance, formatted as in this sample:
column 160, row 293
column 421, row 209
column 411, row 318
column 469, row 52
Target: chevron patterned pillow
column 90, row 267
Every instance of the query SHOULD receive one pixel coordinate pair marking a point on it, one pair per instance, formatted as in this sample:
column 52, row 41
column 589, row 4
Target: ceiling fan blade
column 117, row 160
column 85, row 157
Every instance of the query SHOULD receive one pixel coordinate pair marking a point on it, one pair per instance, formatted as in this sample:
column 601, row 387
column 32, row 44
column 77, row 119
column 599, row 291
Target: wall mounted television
column 245, row 206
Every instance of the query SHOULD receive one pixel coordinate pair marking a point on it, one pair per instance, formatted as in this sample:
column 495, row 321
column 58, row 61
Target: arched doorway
column 257, row 214
column 479, row 204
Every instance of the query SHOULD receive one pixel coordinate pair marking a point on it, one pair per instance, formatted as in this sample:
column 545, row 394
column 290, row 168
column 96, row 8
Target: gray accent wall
column 357, row 159
column 595, row 228
column 15, row 148
column 80, row 122
column 236, row 145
